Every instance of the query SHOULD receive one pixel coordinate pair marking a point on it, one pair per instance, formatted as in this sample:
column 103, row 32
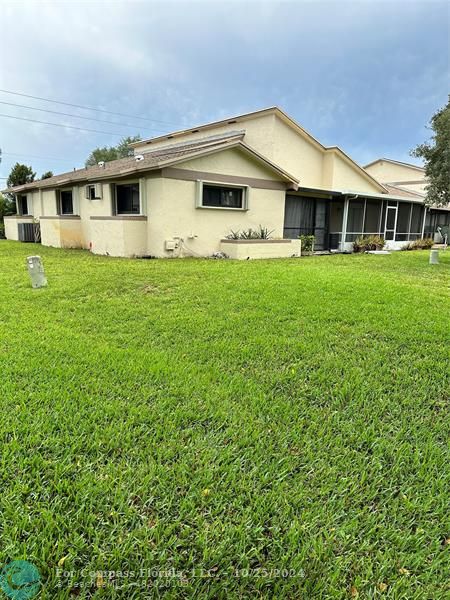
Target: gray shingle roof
column 124, row 166
column 396, row 190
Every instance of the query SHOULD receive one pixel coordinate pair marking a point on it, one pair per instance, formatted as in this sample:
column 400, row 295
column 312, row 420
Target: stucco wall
column 389, row 172
column 230, row 162
column 172, row 210
column 244, row 249
column 173, row 213
column 117, row 236
column 346, row 177
column 61, row 232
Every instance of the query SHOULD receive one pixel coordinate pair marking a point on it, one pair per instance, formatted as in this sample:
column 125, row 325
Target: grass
column 220, row 429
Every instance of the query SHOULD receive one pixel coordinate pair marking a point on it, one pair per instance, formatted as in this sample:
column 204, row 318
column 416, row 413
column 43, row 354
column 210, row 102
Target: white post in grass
column 434, row 257
column 36, row 271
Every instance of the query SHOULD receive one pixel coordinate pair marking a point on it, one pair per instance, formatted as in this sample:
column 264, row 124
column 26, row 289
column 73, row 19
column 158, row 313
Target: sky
column 365, row 75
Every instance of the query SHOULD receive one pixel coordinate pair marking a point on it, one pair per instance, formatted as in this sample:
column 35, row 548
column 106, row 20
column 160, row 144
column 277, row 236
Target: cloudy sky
column 365, row 75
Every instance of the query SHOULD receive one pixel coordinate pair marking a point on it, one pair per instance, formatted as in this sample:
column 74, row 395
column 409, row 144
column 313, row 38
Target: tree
column 108, row 153
column 6, row 207
column 20, row 174
column 47, row 175
column 436, row 155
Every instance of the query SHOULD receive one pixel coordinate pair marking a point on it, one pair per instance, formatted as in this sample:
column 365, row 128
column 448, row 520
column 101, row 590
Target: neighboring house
column 182, row 193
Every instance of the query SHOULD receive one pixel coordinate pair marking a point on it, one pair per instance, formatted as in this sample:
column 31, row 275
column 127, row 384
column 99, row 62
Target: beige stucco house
column 181, row 194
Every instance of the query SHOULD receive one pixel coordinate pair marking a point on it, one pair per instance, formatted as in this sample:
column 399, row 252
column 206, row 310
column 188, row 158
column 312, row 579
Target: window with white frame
column 222, row 196
column 93, row 191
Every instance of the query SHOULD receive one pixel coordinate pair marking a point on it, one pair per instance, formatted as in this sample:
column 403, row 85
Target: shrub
column 2, row 231
column 262, row 233
column 307, row 242
column 370, row 242
column 422, row 244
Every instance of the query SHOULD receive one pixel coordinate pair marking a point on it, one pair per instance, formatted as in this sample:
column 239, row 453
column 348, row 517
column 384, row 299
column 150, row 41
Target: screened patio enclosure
column 337, row 221
column 307, row 216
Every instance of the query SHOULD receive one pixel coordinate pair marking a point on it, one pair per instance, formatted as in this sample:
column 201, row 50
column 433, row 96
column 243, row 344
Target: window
column 94, row 191
column 127, row 199
column 65, row 202
column 22, row 205
column 217, row 196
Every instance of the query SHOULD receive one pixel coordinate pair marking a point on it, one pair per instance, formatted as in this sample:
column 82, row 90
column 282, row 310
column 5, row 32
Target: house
column 181, row 194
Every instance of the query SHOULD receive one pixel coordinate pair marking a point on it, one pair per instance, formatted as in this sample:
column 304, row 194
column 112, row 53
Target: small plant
column 307, row 243
column 262, row 233
column 370, row 242
column 422, row 244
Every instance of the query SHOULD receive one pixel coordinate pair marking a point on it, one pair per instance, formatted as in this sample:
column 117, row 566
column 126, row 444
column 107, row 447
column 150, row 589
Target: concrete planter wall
column 244, row 249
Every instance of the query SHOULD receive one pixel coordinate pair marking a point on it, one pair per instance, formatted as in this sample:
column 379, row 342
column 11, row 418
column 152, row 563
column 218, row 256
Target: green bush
column 262, row 233
column 370, row 242
column 422, row 244
column 2, row 231
column 307, row 242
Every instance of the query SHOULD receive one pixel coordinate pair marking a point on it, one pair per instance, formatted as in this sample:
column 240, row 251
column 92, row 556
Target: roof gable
column 395, row 162
column 240, row 122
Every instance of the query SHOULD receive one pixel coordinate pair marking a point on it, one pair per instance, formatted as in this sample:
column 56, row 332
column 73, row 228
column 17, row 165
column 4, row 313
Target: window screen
column 417, row 218
column 336, row 215
column 355, row 216
column 404, row 212
column 372, row 218
column 390, row 220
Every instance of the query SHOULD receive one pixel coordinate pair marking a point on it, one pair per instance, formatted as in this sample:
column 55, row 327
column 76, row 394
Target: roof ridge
column 393, row 160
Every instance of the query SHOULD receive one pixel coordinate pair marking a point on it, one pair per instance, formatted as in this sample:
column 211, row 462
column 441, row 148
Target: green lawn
column 266, row 429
